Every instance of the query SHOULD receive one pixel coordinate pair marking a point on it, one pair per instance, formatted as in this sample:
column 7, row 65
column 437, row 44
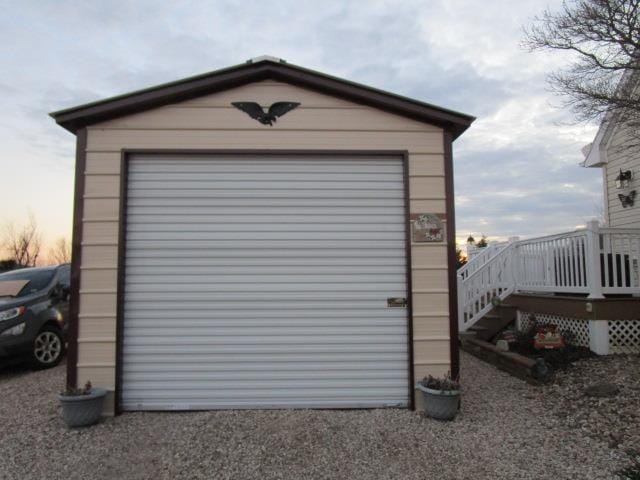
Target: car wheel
column 47, row 348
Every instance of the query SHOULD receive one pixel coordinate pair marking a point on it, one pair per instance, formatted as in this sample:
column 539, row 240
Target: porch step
column 477, row 328
column 490, row 325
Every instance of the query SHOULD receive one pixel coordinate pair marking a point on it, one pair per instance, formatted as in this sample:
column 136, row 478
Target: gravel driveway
column 505, row 431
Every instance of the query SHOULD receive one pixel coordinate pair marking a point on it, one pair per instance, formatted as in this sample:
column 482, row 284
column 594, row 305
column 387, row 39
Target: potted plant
column 82, row 407
column 441, row 396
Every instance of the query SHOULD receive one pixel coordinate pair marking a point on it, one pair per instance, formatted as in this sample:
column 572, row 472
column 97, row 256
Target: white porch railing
column 478, row 257
column 592, row 261
column 490, row 281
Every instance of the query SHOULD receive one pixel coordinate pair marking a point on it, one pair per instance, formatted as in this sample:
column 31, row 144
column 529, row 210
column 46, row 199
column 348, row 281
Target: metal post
column 461, row 305
column 594, row 274
column 514, row 257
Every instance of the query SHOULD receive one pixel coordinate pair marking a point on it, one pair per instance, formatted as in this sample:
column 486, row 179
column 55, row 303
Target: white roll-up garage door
column 262, row 282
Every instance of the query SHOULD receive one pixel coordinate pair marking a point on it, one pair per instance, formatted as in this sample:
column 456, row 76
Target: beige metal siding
column 321, row 123
column 621, row 156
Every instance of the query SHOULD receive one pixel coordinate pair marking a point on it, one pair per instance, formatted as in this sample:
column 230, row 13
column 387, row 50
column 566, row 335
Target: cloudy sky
column 516, row 168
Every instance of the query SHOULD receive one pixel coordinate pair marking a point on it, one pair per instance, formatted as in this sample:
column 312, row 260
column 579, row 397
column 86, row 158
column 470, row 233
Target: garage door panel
column 238, row 228
column 282, row 164
column 230, row 388
column 157, row 303
column 177, row 338
column 327, row 314
column 252, row 349
column 280, row 287
column 301, row 254
column 252, row 259
column 321, row 219
column 253, row 376
column 255, row 368
column 264, row 360
column 177, row 272
column 250, row 403
column 143, row 333
column 261, row 236
column 203, row 282
column 261, row 244
column 256, row 194
column 263, row 283
column 243, row 202
column 248, row 185
column 283, row 396
column 261, row 210
column 189, row 180
column 357, row 297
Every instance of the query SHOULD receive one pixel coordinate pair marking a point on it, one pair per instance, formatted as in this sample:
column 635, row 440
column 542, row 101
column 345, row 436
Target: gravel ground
column 506, row 430
column 614, row 419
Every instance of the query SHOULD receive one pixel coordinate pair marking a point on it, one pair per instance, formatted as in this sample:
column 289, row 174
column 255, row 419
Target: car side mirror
column 57, row 292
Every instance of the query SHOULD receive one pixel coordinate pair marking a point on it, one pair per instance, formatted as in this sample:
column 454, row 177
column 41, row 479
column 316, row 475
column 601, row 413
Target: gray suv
column 34, row 306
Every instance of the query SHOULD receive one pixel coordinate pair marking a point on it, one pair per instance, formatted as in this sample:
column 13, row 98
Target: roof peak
column 257, row 69
column 266, row 58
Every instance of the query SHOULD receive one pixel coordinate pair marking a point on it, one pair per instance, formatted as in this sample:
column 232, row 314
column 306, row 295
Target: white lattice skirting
column 624, row 336
column 602, row 336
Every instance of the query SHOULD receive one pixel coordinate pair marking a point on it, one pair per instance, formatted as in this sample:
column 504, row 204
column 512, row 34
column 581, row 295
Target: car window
column 38, row 280
column 65, row 276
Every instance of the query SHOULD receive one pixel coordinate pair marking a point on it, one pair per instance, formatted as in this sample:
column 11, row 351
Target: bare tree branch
column 23, row 242
column 61, row 251
column 604, row 38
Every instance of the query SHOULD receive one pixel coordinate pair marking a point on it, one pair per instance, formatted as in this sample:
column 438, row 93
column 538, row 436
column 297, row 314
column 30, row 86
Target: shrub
column 74, row 392
column 445, row 383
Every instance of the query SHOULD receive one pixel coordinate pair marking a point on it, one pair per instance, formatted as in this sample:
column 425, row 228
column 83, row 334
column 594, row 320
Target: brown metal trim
column 451, row 256
column 267, row 152
column 409, row 273
column 76, row 258
column 122, row 231
column 126, row 154
column 74, row 118
column 576, row 307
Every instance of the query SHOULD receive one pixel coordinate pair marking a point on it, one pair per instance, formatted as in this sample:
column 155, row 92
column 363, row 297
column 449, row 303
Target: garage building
column 224, row 257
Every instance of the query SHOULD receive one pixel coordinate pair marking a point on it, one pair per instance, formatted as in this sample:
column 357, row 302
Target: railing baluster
column 605, row 261
column 580, row 257
column 623, row 262
column 572, row 261
column 614, row 260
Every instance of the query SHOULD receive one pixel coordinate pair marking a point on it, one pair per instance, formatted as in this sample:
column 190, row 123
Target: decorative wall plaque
column 428, row 228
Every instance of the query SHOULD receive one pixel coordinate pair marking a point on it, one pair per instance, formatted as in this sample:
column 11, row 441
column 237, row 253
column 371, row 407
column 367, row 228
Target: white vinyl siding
column 261, row 282
column 623, row 153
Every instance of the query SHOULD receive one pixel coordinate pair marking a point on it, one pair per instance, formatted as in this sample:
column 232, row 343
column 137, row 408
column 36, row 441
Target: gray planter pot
column 440, row 404
column 83, row 410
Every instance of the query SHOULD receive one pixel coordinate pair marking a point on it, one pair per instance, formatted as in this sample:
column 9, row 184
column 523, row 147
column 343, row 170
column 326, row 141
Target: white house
column 616, row 149
column 586, row 281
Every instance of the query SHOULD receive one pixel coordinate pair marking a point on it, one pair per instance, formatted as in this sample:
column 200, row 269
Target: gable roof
column 595, row 153
column 81, row 116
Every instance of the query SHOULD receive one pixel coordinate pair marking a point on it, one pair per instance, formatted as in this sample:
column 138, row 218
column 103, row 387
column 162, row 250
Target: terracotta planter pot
column 440, row 404
column 83, row 410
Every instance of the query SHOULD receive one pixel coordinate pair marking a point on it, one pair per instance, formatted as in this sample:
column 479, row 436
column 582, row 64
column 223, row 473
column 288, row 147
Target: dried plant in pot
column 441, row 397
column 82, row 407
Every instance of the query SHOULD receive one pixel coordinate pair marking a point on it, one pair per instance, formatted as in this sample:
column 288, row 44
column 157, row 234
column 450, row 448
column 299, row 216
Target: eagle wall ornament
column 269, row 117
